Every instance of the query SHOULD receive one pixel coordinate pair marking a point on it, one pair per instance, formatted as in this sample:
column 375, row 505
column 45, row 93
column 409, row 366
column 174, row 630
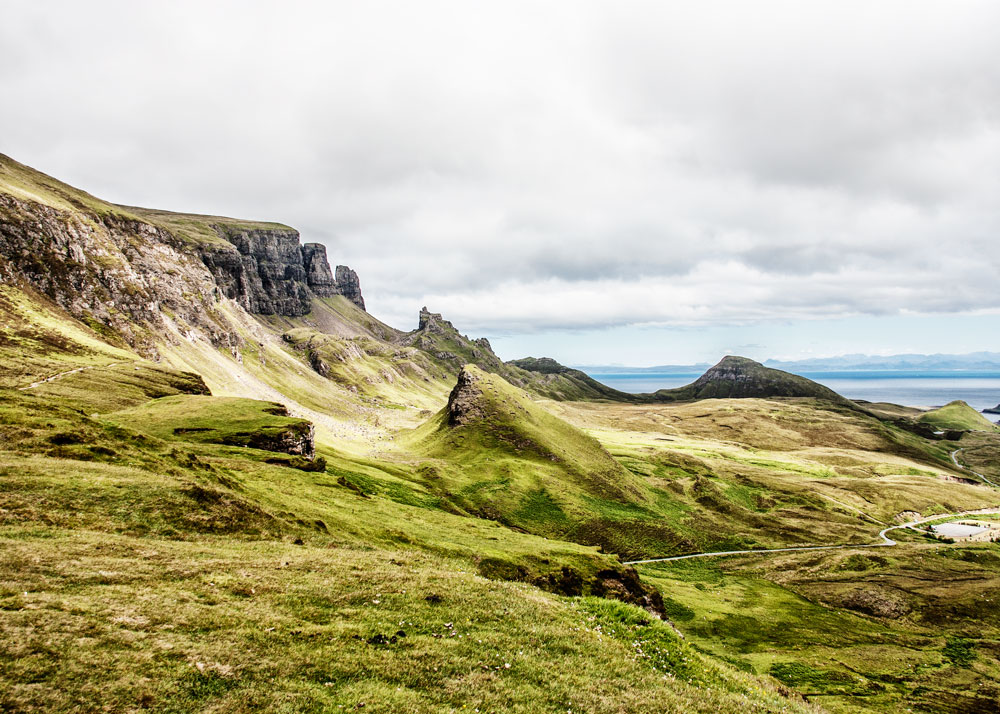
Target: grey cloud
column 572, row 164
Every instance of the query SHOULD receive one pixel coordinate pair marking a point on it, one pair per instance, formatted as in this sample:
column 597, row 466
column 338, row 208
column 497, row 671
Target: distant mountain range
column 971, row 362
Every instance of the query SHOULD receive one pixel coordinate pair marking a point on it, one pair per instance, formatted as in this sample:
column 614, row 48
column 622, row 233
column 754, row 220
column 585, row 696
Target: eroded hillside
column 224, row 485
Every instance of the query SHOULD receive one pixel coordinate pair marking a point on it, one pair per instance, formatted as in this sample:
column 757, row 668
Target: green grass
column 957, row 415
column 183, row 576
column 271, row 626
column 215, row 420
column 854, row 630
column 151, row 557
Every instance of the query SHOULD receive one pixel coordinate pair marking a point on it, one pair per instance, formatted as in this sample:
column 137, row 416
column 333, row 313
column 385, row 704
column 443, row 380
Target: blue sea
column 980, row 390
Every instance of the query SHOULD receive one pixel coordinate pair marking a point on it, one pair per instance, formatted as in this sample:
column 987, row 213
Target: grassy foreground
column 140, row 571
column 96, row 622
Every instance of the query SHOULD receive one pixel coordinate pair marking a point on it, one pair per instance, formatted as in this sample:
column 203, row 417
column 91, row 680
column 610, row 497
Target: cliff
column 145, row 276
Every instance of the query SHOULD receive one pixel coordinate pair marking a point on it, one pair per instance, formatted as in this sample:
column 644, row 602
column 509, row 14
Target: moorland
column 225, row 486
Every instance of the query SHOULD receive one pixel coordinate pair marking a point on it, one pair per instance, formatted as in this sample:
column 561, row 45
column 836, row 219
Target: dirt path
column 54, row 377
column 954, row 458
column 887, row 542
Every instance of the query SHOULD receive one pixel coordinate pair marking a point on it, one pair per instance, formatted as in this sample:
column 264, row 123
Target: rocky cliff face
column 109, row 269
column 266, row 275
column 271, row 274
column 318, row 275
column 349, row 286
column 135, row 274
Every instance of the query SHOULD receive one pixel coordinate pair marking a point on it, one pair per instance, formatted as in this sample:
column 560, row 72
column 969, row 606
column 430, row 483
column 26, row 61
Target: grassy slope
column 873, row 630
column 957, row 415
column 279, row 583
column 515, row 462
column 148, row 493
column 206, row 419
column 376, row 369
column 335, row 316
column 198, row 229
column 39, row 340
column 25, row 183
column 759, row 473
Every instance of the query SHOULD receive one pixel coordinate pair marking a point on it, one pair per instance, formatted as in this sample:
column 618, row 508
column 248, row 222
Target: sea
column 981, row 390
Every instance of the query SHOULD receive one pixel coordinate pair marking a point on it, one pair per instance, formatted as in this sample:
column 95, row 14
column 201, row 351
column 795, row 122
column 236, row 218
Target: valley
column 225, row 486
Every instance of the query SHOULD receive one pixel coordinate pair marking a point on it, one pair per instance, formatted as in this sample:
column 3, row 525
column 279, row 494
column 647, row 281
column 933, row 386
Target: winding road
column 887, row 542
column 954, row 458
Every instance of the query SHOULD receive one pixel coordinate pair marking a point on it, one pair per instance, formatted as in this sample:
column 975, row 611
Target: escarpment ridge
column 146, row 275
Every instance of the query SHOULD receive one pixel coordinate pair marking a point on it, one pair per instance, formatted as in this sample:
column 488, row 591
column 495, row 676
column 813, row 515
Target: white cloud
column 523, row 166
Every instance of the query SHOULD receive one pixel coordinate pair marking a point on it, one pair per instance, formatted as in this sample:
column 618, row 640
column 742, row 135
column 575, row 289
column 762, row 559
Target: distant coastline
column 973, row 362
column 915, row 388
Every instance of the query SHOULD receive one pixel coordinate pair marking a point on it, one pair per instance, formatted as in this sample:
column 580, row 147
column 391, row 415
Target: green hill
column 741, row 378
column 224, row 486
column 502, row 456
column 568, row 383
column 957, row 415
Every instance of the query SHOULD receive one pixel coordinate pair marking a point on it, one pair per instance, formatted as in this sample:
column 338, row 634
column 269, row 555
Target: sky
column 601, row 182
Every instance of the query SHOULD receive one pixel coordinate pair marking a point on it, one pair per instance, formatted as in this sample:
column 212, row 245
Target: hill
column 488, row 420
column 957, row 415
column 219, row 471
column 742, row 378
column 569, row 383
column 546, row 377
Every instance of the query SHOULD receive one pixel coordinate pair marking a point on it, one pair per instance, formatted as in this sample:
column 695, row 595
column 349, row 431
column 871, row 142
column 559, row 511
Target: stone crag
column 349, row 286
column 131, row 275
column 110, row 269
column 272, row 274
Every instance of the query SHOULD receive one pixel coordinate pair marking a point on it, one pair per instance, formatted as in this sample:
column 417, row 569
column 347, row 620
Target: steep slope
column 143, row 276
column 569, row 383
column 496, row 454
column 488, row 420
column 374, row 368
column 742, row 378
column 957, row 415
column 545, row 378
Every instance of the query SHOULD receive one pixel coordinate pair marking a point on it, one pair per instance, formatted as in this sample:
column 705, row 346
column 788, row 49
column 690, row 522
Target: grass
column 38, row 340
column 185, row 576
column 853, row 630
column 152, row 557
column 217, row 420
column 377, row 370
column 270, row 626
column 957, row 415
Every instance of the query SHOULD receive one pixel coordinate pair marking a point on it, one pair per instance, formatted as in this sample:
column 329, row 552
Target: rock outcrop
column 318, row 275
column 349, row 286
column 267, row 275
column 464, row 403
column 142, row 275
column 271, row 274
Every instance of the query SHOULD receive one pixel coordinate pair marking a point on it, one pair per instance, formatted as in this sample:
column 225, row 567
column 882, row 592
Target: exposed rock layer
column 135, row 278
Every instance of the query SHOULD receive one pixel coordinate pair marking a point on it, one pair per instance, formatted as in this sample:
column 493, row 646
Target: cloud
column 525, row 167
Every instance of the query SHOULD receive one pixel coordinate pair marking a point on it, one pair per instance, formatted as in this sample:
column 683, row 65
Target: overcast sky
column 632, row 182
